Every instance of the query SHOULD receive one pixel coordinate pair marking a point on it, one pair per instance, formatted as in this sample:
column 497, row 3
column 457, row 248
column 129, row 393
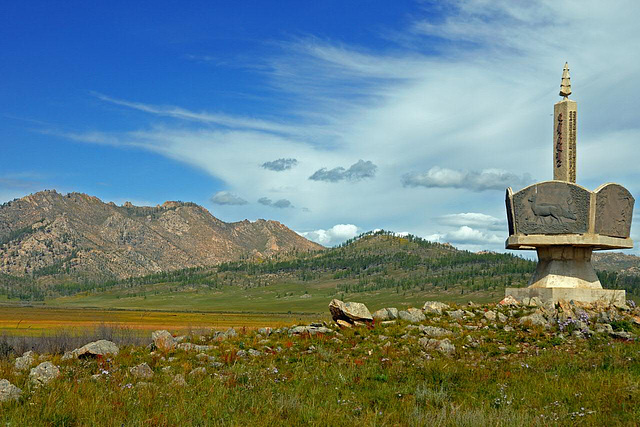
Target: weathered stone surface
column 509, row 301
column 142, row 371
column 490, row 315
column 552, row 295
column 97, row 348
column 614, row 210
column 163, row 340
column 8, row 391
column 552, row 207
column 311, row 330
column 178, row 381
column 187, row 346
column 412, row 315
column 44, row 373
column 386, row 314
column 444, row 346
column 349, row 311
column 344, row 324
column 435, row 307
column 456, row 314
column 535, row 319
column 25, row 361
column 434, row 331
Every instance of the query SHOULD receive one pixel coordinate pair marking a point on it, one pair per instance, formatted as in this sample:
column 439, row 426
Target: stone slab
column 552, row 207
column 608, row 296
column 598, row 242
column 614, row 210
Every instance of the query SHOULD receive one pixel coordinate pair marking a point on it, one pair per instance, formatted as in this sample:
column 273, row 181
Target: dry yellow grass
column 38, row 320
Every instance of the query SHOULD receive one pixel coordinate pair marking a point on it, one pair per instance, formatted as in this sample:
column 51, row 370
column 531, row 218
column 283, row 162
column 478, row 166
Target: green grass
column 352, row 380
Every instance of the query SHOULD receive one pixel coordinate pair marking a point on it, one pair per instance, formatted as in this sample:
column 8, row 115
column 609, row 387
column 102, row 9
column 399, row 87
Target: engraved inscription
column 559, row 142
column 572, row 146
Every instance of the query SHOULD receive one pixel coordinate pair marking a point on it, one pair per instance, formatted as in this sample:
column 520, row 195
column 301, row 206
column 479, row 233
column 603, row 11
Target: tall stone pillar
column 564, row 133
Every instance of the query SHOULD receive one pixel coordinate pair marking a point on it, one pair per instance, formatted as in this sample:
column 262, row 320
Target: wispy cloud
column 282, row 203
column 489, row 179
column 280, row 165
column 226, row 198
column 356, row 172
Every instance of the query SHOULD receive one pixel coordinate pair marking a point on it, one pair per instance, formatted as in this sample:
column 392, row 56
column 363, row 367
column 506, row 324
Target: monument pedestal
column 606, row 296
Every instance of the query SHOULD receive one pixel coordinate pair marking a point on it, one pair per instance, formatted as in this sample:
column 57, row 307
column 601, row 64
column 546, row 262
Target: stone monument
column 565, row 222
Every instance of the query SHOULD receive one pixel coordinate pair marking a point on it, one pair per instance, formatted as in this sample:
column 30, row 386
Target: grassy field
column 381, row 376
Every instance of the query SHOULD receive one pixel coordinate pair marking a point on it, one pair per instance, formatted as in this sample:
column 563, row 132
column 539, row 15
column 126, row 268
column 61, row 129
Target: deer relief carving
column 542, row 211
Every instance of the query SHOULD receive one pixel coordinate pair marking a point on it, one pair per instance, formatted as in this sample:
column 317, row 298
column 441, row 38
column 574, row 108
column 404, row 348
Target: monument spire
column 565, row 85
column 564, row 132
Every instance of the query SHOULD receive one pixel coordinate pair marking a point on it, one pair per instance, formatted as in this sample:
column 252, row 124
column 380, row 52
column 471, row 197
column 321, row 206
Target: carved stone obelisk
column 565, row 222
column 564, row 136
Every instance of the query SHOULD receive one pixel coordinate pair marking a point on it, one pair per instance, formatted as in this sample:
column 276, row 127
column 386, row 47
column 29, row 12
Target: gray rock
column 502, row 318
column 434, row 307
column 444, row 346
column 264, row 331
column 311, row 330
column 434, row 331
column 198, row 371
column 386, row 314
column 163, row 340
column 535, row 319
column 230, row 333
column 412, row 315
column 187, row 346
column 490, row 315
column 25, row 361
column 96, row 348
column 178, row 381
column 44, row 373
column 623, row 335
column 508, row 328
column 241, row 353
column 349, row 311
column 8, row 391
column 142, row 371
column 457, row 314
column 604, row 328
column 254, row 353
column 388, row 322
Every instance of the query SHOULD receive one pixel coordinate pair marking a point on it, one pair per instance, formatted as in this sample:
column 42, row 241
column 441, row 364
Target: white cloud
column 333, row 236
column 477, row 105
column 466, row 235
column 473, row 219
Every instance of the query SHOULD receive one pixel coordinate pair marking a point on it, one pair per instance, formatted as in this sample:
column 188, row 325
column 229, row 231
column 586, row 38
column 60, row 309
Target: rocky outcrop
column 96, row 348
column 412, row 315
column 163, row 340
column 51, row 234
column 349, row 312
column 25, row 361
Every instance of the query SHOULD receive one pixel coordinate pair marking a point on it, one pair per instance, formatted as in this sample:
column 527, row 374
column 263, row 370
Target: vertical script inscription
column 559, row 142
column 572, row 146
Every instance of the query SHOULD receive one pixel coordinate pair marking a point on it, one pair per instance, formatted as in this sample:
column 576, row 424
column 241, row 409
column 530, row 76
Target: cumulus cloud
column 356, row 172
column 472, row 219
column 333, row 236
column 466, row 236
column 282, row 203
column 226, row 198
column 488, row 179
column 280, row 165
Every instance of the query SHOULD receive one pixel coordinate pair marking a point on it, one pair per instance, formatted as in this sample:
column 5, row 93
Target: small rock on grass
column 198, row 372
column 25, row 361
column 434, row 307
column 443, row 346
column 386, row 314
column 141, row 371
column 44, row 373
column 412, row 315
column 163, row 340
column 178, row 381
column 8, row 391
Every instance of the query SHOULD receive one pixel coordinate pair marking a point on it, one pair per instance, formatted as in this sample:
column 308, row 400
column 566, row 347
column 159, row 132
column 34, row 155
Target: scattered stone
column 502, row 318
column 311, row 330
column 44, row 373
column 349, row 311
column 444, row 346
column 163, row 340
column 142, row 371
column 509, row 301
column 508, row 328
column 254, row 353
column 434, row 331
column 434, row 307
column 535, row 319
column 412, row 315
column 8, row 391
column 179, row 381
column 490, row 315
column 388, row 322
column 264, row 331
column 25, row 361
column 343, row 323
column 198, row 371
column 96, row 348
column 187, row 346
column 457, row 314
column 230, row 333
column 624, row 335
column 241, row 353
column 386, row 314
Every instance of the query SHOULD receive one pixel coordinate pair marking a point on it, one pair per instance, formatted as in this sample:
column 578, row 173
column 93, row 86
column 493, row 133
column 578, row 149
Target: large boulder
column 8, row 391
column 412, row 315
column 97, row 348
column 434, row 307
column 25, row 361
column 386, row 314
column 44, row 373
column 350, row 311
column 163, row 340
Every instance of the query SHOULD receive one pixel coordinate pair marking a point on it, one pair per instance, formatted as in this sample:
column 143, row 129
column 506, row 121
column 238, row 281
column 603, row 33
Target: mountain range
column 48, row 234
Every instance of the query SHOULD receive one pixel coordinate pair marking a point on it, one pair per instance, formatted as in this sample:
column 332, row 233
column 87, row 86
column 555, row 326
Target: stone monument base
column 564, row 266
column 607, row 296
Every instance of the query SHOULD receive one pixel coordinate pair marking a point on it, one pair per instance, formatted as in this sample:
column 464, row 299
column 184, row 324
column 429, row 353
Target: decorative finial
column 565, row 85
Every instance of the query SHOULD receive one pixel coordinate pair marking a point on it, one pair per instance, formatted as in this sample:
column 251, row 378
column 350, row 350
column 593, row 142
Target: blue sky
column 333, row 117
